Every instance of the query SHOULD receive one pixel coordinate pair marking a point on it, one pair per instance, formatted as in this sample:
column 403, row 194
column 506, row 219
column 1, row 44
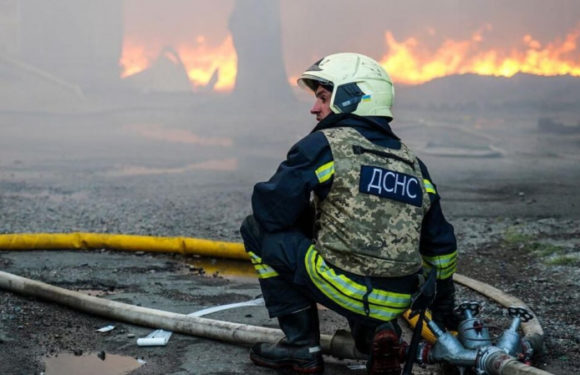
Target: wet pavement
column 164, row 282
column 114, row 173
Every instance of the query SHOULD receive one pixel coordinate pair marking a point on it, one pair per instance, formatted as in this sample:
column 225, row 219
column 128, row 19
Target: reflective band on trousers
column 264, row 270
column 383, row 305
column 446, row 265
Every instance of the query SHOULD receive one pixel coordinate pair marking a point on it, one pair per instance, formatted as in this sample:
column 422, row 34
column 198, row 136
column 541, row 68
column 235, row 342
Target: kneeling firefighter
column 373, row 228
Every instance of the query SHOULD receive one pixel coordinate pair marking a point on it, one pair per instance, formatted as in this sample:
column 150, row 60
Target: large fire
column 200, row 60
column 408, row 62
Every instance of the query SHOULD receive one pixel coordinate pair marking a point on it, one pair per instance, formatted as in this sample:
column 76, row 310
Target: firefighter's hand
column 442, row 309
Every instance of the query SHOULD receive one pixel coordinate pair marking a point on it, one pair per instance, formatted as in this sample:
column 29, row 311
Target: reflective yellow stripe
column 429, row 186
column 264, row 270
column 324, row 172
column 446, row 265
column 383, row 305
column 357, row 291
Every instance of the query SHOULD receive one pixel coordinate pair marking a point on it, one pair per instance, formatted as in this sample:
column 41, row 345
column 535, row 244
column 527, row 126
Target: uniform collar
column 334, row 120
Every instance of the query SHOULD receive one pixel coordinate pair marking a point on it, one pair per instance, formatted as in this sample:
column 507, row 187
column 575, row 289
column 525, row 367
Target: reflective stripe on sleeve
column 446, row 265
column 429, row 186
column 324, row 172
column 383, row 305
column 264, row 270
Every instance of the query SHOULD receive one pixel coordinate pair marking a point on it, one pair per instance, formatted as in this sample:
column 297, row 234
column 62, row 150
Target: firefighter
column 351, row 220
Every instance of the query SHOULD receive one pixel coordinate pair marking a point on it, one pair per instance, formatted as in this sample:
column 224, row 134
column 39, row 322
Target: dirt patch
column 538, row 262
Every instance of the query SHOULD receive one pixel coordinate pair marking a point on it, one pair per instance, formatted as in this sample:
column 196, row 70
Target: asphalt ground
column 118, row 173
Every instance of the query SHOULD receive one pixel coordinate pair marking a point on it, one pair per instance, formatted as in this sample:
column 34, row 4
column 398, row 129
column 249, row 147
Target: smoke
column 177, row 21
column 90, row 85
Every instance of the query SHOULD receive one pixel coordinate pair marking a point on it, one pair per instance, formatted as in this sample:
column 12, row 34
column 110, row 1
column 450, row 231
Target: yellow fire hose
column 87, row 241
column 203, row 247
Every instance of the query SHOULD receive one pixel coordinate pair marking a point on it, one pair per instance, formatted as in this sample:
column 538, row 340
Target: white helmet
column 359, row 84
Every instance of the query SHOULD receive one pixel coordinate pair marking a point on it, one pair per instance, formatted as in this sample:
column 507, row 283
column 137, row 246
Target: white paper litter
column 106, row 328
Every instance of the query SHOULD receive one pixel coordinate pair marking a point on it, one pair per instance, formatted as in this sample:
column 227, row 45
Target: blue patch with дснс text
column 390, row 184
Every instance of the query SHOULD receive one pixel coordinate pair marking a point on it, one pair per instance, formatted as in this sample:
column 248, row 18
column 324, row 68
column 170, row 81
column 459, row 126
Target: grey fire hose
column 340, row 344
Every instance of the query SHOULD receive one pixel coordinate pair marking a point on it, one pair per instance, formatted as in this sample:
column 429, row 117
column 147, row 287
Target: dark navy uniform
column 278, row 236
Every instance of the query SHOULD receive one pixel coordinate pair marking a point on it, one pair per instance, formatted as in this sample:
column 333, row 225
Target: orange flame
column 201, row 62
column 133, row 59
column 407, row 63
column 199, row 59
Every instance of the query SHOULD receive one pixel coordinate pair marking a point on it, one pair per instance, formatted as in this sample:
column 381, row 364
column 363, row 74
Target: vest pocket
column 359, row 150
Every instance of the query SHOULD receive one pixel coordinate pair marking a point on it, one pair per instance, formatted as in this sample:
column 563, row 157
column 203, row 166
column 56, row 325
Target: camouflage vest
column 370, row 222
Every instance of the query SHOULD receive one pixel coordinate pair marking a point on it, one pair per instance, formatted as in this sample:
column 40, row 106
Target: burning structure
column 255, row 26
column 84, row 43
column 244, row 47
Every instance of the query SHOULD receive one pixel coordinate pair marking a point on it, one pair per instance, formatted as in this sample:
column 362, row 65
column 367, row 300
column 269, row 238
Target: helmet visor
column 311, row 82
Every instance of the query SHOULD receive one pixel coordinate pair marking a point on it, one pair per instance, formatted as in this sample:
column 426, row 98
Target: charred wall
column 256, row 31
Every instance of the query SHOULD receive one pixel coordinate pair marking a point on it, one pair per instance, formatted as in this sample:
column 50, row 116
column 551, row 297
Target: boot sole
column 289, row 364
column 382, row 344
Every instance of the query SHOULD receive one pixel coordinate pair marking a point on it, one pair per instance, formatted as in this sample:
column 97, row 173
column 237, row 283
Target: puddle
column 89, row 364
column 227, row 268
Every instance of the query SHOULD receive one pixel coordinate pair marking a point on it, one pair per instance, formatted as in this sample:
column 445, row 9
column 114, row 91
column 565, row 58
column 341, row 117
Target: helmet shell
column 360, row 85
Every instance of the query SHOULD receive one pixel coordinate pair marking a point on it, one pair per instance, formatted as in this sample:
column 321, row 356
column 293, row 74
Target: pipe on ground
column 532, row 329
column 82, row 240
column 340, row 344
column 85, row 241
column 233, row 250
column 500, row 363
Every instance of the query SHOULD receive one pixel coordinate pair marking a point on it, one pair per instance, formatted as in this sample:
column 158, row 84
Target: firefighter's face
column 321, row 107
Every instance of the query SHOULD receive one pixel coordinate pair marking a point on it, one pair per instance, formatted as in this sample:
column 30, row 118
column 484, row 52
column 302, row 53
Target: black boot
column 387, row 351
column 300, row 350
